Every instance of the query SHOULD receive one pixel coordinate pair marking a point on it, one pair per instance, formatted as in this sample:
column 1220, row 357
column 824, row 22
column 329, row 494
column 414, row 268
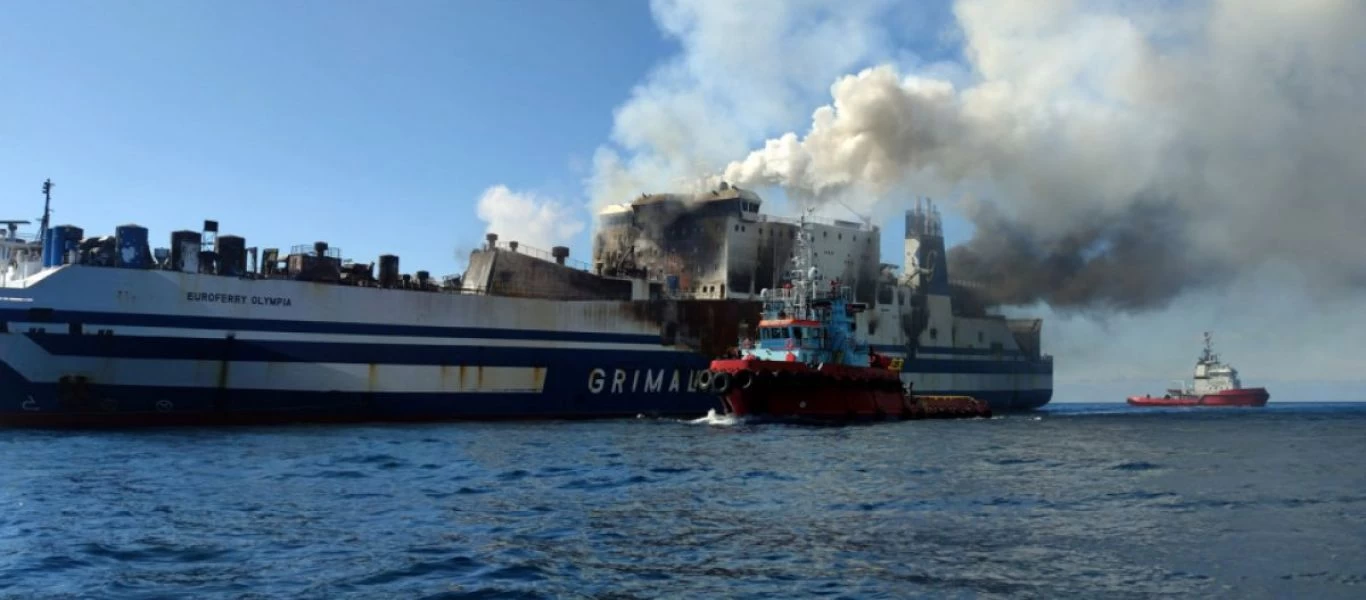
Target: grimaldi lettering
column 626, row 381
column 218, row 298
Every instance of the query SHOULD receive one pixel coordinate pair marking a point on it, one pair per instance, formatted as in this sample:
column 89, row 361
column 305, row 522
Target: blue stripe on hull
column 977, row 367
column 283, row 326
column 172, row 348
column 900, row 350
column 567, row 394
column 409, row 354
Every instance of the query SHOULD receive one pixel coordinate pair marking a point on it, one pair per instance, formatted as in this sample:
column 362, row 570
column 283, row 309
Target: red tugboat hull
column 795, row 391
column 1238, row 397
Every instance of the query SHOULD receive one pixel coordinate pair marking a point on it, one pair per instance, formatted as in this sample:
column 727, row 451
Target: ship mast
column 47, row 211
column 803, row 279
column 1209, row 356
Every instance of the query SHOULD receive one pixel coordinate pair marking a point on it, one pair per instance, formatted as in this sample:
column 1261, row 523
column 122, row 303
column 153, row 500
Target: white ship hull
column 101, row 345
column 95, row 344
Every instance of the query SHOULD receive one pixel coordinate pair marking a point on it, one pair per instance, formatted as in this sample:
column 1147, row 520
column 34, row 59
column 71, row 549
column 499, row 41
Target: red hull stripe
column 786, row 322
column 1241, row 397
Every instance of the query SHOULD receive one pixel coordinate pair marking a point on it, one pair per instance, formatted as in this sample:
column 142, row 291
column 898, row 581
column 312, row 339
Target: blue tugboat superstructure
column 809, row 320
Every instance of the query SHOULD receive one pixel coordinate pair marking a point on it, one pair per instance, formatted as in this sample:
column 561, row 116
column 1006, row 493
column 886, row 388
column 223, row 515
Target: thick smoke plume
column 747, row 70
column 1119, row 153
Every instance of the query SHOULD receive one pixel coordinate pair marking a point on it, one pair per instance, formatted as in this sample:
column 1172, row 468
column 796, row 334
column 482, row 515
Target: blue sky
column 372, row 127
column 288, row 122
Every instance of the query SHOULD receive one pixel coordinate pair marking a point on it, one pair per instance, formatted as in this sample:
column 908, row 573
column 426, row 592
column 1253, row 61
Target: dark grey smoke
column 1136, row 260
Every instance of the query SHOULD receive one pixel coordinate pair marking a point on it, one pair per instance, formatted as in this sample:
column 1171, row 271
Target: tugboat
column 1216, row 384
column 809, row 364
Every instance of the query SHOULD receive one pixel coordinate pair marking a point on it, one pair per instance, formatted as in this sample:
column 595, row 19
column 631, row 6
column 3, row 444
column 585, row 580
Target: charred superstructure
column 719, row 246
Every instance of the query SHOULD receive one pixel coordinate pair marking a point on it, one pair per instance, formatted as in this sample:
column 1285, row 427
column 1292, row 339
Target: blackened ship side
column 719, row 246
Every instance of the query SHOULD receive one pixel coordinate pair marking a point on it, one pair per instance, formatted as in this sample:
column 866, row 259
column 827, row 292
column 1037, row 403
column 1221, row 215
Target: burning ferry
column 105, row 330
column 718, row 246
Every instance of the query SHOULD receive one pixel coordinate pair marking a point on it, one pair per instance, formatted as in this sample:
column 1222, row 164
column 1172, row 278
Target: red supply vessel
column 1216, row 384
column 809, row 364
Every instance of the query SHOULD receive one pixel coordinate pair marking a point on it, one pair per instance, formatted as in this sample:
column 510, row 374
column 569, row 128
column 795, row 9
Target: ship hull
column 794, row 391
column 1008, row 382
column 1238, row 397
column 124, row 386
column 94, row 346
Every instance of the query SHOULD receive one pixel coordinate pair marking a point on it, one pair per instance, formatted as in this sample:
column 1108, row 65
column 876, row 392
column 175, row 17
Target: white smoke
column 747, row 70
column 1234, row 126
column 527, row 218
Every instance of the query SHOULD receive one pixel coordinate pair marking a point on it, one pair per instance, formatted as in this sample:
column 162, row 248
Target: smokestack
column 560, row 253
column 492, row 240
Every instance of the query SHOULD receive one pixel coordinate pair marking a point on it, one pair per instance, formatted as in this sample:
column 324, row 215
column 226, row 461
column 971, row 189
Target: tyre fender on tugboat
column 744, row 378
column 720, row 383
column 704, row 380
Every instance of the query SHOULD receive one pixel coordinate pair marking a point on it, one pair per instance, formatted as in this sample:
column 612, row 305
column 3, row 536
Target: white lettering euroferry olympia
column 238, row 299
column 623, row 381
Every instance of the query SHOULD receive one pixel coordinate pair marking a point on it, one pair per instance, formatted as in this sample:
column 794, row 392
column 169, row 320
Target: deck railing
column 535, row 252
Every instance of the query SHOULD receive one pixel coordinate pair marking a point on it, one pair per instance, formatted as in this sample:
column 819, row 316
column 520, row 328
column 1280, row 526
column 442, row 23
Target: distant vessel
column 1216, row 384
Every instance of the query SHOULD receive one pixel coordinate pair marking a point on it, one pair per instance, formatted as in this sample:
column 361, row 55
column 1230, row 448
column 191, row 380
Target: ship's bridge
column 787, row 334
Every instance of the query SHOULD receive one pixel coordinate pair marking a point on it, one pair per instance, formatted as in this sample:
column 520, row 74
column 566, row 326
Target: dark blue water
column 1079, row 501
